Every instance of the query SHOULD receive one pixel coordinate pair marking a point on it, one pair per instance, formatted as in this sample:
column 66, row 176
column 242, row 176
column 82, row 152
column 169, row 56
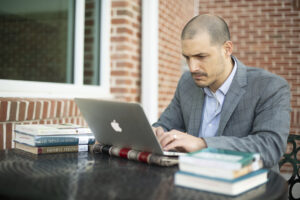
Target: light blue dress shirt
column 212, row 107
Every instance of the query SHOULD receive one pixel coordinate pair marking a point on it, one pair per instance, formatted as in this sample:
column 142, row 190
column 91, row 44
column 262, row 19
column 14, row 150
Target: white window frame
column 150, row 9
column 15, row 88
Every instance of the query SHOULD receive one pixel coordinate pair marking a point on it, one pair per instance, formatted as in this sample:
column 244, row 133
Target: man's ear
column 228, row 47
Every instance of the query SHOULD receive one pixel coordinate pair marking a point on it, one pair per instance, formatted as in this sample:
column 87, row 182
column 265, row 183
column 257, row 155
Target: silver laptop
column 120, row 124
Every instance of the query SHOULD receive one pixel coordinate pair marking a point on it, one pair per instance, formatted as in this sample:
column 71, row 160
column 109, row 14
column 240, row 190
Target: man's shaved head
column 215, row 26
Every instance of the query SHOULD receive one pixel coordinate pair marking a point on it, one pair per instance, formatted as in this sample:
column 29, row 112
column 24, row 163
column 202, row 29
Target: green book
column 226, row 159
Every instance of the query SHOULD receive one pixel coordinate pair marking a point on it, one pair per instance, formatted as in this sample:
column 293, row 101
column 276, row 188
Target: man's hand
column 178, row 141
column 158, row 131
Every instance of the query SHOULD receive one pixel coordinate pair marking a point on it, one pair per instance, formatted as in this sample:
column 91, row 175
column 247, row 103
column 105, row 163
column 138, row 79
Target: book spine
column 62, row 149
column 131, row 154
column 220, row 172
column 36, row 131
column 41, row 141
column 63, row 141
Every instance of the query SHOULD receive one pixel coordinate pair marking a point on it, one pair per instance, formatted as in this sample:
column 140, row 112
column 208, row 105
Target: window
column 37, row 40
column 52, row 48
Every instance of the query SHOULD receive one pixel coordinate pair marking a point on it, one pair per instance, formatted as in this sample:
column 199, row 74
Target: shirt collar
column 226, row 85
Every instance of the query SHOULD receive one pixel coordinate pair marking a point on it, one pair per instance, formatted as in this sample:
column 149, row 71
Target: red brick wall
column 265, row 34
column 126, row 50
column 34, row 111
column 173, row 15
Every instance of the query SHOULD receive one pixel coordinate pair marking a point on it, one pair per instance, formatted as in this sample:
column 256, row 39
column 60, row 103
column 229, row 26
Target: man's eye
column 186, row 57
column 200, row 57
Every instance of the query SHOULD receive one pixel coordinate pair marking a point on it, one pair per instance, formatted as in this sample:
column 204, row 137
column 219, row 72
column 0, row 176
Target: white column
column 79, row 42
column 105, row 45
column 150, row 10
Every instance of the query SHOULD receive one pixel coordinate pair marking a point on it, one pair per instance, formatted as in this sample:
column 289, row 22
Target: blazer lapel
column 233, row 96
column 196, row 113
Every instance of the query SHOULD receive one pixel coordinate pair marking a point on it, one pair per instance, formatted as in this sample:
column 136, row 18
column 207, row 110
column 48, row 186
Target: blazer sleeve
column 271, row 124
column 172, row 117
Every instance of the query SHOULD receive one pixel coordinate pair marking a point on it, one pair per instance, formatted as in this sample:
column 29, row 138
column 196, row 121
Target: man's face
column 206, row 62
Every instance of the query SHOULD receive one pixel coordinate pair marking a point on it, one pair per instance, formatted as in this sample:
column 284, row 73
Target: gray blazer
column 255, row 116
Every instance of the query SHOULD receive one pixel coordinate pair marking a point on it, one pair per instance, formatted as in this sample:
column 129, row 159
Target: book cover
column 221, row 172
column 55, row 140
column 132, row 154
column 227, row 159
column 222, row 186
column 53, row 149
column 51, row 129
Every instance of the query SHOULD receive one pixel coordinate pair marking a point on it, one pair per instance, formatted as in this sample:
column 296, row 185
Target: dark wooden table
column 95, row 176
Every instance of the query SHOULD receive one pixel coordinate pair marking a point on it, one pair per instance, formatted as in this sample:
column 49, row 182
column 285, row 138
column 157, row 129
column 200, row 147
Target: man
column 222, row 103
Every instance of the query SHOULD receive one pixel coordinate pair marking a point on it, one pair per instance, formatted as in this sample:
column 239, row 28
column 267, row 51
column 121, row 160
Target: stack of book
column 221, row 171
column 53, row 138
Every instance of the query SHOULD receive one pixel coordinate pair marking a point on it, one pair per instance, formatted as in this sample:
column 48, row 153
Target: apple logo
column 115, row 125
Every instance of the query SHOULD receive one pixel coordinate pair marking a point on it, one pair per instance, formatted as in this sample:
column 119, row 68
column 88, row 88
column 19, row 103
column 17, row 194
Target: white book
column 219, row 158
column 219, row 171
column 222, row 186
column 51, row 129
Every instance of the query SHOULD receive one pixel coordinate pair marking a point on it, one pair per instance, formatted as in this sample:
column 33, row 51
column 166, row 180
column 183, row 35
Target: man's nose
column 194, row 65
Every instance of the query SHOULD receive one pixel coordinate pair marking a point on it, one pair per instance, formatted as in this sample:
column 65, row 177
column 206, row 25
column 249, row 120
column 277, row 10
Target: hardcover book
column 222, row 186
column 219, row 158
column 131, row 154
column 221, row 172
column 51, row 129
column 54, row 140
column 53, row 149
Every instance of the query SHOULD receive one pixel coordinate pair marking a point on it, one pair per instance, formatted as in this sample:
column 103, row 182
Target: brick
column 125, row 65
column 119, row 90
column 3, row 111
column 119, row 4
column 71, row 108
column 124, row 13
column 66, row 107
column 8, row 135
column 38, row 110
column 119, row 39
column 45, row 110
column 58, row 108
column 119, row 73
column 120, row 21
column 52, row 109
column 125, row 47
column 13, row 111
column 124, row 82
column 30, row 110
column 22, row 110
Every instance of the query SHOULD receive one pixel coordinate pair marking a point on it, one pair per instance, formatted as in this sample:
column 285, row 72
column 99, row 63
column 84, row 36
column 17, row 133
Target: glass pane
column 92, row 42
column 36, row 40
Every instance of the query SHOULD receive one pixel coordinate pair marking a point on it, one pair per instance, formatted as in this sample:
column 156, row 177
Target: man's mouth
column 199, row 75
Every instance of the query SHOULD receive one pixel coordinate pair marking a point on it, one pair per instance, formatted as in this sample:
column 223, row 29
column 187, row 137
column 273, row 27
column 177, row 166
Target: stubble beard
column 198, row 78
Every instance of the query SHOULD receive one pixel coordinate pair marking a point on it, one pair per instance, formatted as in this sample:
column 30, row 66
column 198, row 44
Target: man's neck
column 229, row 64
